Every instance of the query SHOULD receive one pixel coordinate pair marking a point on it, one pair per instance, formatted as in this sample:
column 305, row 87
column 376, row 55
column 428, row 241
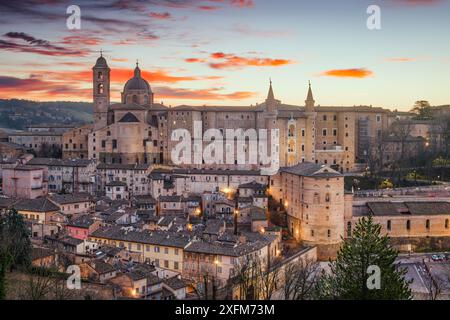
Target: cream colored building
column 163, row 249
column 313, row 196
column 219, row 261
column 35, row 140
column 134, row 176
column 412, row 223
column 75, row 142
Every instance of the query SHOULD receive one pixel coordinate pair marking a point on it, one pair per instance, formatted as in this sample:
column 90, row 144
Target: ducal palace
column 138, row 130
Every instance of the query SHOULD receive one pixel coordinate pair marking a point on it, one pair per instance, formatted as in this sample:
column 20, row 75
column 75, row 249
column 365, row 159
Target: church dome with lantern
column 137, row 90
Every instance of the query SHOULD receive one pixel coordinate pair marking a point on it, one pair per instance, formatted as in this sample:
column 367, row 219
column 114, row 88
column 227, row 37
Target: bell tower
column 101, row 92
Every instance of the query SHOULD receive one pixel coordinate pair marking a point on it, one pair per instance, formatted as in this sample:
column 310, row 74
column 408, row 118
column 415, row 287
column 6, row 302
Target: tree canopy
column 353, row 270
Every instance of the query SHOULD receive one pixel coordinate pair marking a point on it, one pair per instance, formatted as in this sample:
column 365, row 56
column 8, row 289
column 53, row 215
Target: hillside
column 17, row 114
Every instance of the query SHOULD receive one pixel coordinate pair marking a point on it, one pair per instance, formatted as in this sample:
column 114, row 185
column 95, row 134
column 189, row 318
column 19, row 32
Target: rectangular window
column 114, row 144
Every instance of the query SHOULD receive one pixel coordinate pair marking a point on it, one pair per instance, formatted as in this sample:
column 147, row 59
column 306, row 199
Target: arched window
column 316, row 198
column 427, row 224
column 446, row 223
column 135, row 99
column 100, row 75
column 100, row 88
column 408, row 225
column 327, row 197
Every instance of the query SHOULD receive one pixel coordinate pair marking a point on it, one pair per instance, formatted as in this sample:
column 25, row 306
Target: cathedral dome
column 137, row 82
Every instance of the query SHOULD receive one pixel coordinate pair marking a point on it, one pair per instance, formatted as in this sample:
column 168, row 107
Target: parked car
column 438, row 257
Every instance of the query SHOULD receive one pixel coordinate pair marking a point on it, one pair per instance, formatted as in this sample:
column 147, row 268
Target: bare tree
column 401, row 130
column 256, row 278
column 37, row 287
column 267, row 277
column 59, row 289
column 435, row 286
column 244, row 276
column 300, row 279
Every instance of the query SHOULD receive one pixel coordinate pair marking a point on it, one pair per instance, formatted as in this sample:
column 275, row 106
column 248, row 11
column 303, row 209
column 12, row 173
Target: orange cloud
column 119, row 76
column 84, row 40
column 401, row 59
column 194, row 60
column 232, row 61
column 38, row 89
column 160, row 16
column 348, row 73
column 208, row 8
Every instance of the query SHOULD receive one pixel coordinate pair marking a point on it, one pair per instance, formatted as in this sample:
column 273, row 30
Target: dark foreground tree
column 300, row 279
column 15, row 246
column 355, row 271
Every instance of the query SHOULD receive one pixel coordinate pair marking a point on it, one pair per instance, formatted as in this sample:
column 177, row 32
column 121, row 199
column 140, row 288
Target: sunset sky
column 223, row 52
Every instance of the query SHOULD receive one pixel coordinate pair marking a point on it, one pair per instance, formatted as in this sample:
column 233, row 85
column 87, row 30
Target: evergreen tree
column 423, row 110
column 15, row 245
column 351, row 277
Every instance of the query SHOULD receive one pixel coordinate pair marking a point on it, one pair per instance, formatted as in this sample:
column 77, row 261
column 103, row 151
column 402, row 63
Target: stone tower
column 309, row 102
column 311, row 114
column 270, row 123
column 271, row 102
column 101, row 92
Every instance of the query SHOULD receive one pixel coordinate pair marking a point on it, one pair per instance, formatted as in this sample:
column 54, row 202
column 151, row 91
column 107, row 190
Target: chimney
column 242, row 239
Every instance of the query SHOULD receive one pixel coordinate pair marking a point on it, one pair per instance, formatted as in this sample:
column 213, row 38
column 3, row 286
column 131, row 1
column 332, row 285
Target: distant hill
column 17, row 114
